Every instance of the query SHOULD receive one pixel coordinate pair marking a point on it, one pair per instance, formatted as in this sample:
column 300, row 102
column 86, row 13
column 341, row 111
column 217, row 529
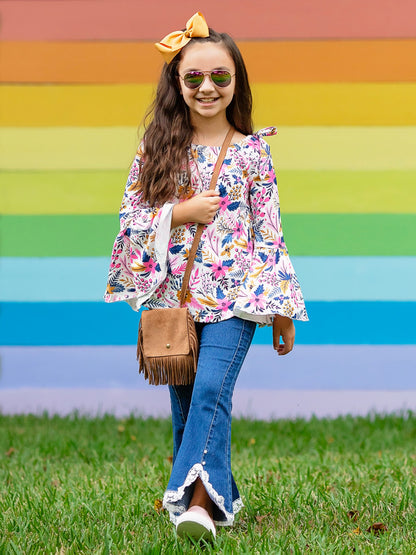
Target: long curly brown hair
column 168, row 129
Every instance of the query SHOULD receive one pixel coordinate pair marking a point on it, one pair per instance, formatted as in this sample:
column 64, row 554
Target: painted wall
column 339, row 82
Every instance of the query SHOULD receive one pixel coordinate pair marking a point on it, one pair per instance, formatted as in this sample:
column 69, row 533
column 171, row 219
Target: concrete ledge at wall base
column 253, row 404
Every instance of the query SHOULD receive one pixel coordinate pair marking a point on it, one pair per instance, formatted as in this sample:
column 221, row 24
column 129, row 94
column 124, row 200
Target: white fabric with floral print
column 242, row 266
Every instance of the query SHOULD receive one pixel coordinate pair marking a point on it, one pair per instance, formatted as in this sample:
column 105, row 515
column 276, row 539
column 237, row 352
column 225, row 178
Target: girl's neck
column 210, row 133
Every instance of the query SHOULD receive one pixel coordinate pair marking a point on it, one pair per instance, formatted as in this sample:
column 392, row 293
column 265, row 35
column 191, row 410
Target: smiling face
column 208, row 100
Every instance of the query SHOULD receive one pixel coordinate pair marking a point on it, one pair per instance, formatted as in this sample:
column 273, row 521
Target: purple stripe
column 308, row 367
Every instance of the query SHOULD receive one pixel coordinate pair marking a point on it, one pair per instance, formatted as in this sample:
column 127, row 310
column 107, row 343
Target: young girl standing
column 242, row 274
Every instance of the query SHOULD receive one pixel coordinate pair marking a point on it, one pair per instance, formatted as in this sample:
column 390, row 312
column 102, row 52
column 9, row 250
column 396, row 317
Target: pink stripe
column 268, row 19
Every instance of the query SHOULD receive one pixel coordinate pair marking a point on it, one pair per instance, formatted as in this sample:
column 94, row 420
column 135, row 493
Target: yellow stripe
column 318, row 148
column 282, row 103
column 60, row 148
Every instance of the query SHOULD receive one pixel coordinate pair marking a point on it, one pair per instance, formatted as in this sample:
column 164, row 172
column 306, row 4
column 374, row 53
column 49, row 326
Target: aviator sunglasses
column 194, row 79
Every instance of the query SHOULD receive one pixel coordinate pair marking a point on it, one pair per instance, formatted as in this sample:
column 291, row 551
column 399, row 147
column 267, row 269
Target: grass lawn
column 93, row 485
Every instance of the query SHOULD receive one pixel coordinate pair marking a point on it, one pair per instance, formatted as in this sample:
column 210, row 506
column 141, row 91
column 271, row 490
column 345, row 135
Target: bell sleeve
column 270, row 286
column 139, row 258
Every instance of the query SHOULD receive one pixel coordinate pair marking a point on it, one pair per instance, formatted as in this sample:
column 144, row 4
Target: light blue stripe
column 326, row 278
column 53, row 279
column 357, row 278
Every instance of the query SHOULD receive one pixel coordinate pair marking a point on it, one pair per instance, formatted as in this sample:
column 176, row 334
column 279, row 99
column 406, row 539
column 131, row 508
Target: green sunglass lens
column 221, row 78
column 194, row 79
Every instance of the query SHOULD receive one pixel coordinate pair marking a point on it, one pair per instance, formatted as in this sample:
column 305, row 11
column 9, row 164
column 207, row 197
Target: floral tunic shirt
column 242, row 267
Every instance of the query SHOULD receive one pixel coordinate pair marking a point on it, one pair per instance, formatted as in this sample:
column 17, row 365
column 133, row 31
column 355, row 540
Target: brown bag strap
column 201, row 227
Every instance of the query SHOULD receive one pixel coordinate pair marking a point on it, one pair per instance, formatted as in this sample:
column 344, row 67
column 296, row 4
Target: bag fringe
column 171, row 369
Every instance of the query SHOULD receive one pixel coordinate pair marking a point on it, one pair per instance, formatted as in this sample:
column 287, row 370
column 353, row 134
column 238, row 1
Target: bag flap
column 165, row 332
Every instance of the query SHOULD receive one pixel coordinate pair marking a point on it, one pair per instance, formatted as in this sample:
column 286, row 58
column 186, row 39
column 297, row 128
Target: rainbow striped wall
column 339, row 82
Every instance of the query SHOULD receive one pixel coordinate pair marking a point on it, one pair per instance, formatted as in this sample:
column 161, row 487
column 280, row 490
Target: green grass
column 77, row 485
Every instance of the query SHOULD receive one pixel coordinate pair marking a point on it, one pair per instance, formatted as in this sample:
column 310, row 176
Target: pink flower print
column 224, row 202
column 257, row 301
column 150, row 266
column 257, row 298
column 218, row 270
column 238, row 231
column 223, row 304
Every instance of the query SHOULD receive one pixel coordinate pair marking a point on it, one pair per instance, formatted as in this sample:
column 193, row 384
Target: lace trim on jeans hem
column 172, row 497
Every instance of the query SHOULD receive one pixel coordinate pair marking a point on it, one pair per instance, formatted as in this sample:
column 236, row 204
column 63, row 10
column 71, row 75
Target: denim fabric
column 201, row 420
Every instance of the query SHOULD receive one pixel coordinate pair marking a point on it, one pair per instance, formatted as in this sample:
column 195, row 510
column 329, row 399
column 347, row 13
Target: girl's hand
column 285, row 328
column 200, row 209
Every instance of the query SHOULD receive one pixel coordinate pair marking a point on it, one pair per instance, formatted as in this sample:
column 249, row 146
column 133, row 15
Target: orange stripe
column 267, row 62
column 331, row 61
column 268, row 19
column 79, row 62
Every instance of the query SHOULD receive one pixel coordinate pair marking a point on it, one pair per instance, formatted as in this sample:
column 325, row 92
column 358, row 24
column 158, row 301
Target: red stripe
column 243, row 19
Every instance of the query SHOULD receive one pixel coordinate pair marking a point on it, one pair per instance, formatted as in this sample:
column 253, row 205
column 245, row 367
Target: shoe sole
column 194, row 530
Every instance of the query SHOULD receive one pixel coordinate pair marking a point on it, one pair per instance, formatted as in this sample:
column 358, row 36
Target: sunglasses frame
column 204, row 74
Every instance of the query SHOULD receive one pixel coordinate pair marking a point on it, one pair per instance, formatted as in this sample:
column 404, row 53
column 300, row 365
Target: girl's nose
column 206, row 84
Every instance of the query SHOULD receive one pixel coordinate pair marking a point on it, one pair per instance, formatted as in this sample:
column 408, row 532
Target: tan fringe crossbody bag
column 167, row 347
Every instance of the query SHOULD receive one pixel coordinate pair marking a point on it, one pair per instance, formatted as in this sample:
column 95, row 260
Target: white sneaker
column 197, row 524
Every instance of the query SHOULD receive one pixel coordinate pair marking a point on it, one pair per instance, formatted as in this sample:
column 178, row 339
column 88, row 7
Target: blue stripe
column 332, row 323
column 329, row 278
column 308, row 367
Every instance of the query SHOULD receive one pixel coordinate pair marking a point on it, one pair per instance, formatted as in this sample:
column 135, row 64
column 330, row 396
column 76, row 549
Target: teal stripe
column 331, row 323
column 322, row 278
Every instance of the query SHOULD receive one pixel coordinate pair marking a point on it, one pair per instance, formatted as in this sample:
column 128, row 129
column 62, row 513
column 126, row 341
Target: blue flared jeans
column 201, row 421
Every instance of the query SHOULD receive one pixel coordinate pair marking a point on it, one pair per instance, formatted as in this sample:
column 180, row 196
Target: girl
column 242, row 274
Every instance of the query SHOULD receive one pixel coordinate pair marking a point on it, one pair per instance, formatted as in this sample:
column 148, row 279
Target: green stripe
column 308, row 191
column 306, row 235
column 33, row 236
column 350, row 234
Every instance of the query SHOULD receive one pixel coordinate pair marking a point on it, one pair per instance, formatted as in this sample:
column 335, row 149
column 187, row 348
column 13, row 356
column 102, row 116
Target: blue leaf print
column 201, row 156
column 175, row 249
column 259, row 291
column 284, row 276
column 233, row 206
column 262, row 256
column 227, row 263
column 227, row 239
column 220, row 294
column 258, row 236
column 222, row 190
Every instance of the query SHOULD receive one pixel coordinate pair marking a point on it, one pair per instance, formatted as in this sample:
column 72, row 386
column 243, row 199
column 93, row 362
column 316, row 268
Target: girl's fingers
column 286, row 331
column 210, row 193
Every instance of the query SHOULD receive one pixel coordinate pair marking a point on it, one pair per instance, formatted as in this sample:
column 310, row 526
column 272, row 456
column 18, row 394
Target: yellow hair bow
column 173, row 43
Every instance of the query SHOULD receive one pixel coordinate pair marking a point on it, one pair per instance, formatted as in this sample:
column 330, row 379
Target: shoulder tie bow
column 173, row 43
